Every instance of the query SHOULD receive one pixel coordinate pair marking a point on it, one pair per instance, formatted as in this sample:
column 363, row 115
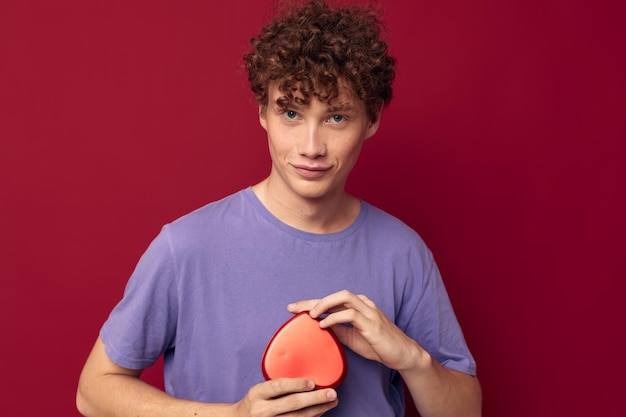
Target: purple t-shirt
column 213, row 287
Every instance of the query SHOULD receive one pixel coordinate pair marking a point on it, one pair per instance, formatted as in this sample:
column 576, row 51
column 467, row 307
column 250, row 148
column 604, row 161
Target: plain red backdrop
column 504, row 147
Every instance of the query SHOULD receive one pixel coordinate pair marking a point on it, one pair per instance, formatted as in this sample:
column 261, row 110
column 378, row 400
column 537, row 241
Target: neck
column 328, row 214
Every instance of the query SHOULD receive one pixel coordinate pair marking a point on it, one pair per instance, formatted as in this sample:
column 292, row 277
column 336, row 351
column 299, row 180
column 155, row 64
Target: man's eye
column 290, row 114
column 337, row 118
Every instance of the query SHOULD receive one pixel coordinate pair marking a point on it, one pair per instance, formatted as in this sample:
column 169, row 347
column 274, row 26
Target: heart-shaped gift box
column 302, row 349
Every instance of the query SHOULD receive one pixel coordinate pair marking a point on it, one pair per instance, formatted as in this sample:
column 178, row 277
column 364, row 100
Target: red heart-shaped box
column 302, row 349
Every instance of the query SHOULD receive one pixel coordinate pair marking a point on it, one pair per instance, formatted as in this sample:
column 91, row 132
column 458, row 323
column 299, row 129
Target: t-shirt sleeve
column 433, row 323
column 142, row 325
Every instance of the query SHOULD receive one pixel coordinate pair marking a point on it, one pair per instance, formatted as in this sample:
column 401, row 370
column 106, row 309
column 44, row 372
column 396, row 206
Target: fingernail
column 310, row 384
column 331, row 395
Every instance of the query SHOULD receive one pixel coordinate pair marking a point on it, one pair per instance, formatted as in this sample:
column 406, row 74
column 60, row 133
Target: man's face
column 314, row 147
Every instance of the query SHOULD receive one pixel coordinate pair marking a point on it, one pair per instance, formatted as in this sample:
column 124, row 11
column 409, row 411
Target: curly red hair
column 311, row 48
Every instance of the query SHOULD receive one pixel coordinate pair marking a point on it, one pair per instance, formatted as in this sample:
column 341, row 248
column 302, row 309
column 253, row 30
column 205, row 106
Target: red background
column 504, row 147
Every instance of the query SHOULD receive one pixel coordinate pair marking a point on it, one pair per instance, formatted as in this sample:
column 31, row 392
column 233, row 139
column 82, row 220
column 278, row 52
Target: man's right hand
column 286, row 397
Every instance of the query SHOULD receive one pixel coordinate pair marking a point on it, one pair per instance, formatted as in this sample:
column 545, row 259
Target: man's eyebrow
column 346, row 106
column 281, row 102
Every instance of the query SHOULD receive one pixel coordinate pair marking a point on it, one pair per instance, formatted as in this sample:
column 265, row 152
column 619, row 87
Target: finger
column 300, row 306
column 324, row 399
column 318, row 410
column 367, row 301
column 351, row 316
column 336, row 302
column 283, row 386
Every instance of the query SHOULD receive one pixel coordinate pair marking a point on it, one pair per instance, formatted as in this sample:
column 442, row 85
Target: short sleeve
column 434, row 325
column 142, row 325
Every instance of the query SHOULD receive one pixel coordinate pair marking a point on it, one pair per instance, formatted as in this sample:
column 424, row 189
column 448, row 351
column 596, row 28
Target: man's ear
column 373, row 125
column 263, row 116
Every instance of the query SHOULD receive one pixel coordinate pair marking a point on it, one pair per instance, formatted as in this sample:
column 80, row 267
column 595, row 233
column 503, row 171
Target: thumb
column 351, row 338
column 343, row 333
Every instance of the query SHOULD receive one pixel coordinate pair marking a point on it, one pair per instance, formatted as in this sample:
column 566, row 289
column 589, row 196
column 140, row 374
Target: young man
column 214, row 286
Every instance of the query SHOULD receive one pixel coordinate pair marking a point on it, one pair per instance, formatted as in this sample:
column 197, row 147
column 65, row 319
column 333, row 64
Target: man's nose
column 311, row 143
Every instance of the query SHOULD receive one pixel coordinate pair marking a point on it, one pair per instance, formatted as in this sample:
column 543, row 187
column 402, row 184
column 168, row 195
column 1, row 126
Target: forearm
column 108, row 390
column 441, row 392
column 123, row 395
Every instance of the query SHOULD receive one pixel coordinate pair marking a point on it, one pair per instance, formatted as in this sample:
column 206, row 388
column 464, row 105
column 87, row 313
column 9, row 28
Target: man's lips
column 307, row 171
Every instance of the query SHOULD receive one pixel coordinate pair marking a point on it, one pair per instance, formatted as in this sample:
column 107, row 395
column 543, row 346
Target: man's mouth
column 307, row 171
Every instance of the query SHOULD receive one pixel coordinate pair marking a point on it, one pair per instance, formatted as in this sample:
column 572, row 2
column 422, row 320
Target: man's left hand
column 372, row 335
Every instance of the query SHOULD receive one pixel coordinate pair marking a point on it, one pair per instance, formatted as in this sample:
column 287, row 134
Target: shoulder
column 389, row 236
column 211, row 221
column 387, row 225
column 214, row 212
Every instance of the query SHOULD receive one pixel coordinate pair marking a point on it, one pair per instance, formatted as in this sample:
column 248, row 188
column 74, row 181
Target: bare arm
column 436, row 390
column 439, row 391
column 106, row 389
